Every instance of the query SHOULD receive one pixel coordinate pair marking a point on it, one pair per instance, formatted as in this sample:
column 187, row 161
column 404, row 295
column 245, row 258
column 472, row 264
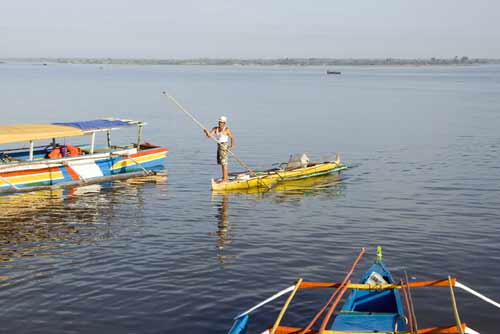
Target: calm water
column 156, row 257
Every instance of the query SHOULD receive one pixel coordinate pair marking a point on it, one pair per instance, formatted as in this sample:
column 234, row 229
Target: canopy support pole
column 139, row 134
column 108, row 138
column 92, row 143
column 32, row 146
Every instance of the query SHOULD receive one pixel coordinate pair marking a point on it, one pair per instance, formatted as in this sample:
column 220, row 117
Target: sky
column 250, row 29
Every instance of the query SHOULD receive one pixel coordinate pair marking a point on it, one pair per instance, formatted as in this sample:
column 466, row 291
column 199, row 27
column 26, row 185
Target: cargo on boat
column 377, row 304
column 56, row 165
column 297, row 168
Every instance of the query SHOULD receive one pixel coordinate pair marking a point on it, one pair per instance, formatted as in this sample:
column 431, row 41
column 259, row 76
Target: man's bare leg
column 225, row 174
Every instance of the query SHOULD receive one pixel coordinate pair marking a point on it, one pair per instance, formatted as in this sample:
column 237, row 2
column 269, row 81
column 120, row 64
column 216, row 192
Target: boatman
column 222, row 134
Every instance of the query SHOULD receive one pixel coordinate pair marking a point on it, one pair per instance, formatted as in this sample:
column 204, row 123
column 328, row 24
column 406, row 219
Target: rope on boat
column 477, row 294
column 9, row 183
column 146, row 171
column 270, row 299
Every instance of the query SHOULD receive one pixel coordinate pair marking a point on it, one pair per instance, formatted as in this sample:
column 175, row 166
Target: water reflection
column 37, row 224
column 326, row 187
column 223, row 226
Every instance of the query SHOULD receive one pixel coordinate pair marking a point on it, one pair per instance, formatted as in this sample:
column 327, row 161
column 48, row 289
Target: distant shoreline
column 262, row 62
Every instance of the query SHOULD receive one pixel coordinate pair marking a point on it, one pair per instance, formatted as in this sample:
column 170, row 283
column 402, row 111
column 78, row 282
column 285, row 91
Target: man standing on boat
column 222, row 134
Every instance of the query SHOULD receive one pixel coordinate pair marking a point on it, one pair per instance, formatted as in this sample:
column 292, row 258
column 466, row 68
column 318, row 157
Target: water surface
column 156, row 257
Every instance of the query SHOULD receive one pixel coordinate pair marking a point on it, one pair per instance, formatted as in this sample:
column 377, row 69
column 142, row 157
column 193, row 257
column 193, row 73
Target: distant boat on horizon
column 333, row 72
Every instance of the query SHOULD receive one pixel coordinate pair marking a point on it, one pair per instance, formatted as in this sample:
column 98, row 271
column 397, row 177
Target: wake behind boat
column 57, row 165
column 377, row 304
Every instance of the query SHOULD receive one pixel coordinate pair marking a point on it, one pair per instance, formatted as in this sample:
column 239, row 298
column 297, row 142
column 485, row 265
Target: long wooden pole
column 333, row 307
column 334, row 294
column 408, row 308
column 415, row 324
column 204, row 128
column 454, row 305
column 285, row 306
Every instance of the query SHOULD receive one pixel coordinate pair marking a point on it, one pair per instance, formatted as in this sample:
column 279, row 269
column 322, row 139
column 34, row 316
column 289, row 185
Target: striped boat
column 30, row 168
column 377, row 304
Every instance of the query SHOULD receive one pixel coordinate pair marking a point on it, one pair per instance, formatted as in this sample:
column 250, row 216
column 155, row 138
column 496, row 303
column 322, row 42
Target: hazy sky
column 249, row 29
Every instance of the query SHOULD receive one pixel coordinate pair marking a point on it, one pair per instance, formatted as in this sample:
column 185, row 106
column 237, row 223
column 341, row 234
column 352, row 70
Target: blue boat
column 377, row 304
column 372, row 310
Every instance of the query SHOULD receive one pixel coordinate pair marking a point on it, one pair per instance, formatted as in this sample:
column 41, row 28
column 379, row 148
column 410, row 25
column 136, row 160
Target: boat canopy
column 101, row 124
column 31, row 132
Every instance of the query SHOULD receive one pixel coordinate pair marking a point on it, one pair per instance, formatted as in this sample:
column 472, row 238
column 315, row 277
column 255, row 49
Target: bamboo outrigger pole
column 244, row 165
column 285, row 306
column 454, row 305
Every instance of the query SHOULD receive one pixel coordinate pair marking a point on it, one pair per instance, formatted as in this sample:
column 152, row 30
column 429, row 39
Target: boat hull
column 372, row 310
column 85, row 169
column 266, row 180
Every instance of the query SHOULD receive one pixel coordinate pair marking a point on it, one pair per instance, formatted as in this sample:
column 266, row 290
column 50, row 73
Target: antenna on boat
column 379, row 254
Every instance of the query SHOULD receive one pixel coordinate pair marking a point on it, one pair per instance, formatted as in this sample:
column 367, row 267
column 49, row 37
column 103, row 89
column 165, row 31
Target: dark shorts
column 222, row 154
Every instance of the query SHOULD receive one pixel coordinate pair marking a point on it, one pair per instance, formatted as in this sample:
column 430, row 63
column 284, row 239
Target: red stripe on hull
column 31, row 172
column 72, row 173
column 148, row 152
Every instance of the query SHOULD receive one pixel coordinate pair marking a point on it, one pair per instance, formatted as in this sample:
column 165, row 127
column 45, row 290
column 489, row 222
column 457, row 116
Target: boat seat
column 367, row 321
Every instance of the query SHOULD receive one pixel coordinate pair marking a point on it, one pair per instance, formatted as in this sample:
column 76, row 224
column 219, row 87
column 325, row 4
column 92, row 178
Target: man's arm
column 230, row 134
column 211, row 133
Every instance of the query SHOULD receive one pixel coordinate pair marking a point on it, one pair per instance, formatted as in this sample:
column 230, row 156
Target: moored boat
column 377, row 304
column 53, row 165
column 267, row 179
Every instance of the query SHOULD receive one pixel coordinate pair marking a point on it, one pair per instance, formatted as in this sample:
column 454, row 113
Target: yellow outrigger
column 270, row 178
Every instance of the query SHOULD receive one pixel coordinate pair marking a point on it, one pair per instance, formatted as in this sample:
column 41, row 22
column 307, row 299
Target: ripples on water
column 156, row 257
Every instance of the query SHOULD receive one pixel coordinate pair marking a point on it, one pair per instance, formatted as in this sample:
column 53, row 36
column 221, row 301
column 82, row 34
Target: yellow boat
column 270, row 178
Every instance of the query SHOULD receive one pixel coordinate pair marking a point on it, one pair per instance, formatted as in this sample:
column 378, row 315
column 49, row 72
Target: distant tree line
column 266, row 62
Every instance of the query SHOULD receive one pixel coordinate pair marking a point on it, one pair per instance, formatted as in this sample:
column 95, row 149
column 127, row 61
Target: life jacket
column 73, row 151
column 56, row 153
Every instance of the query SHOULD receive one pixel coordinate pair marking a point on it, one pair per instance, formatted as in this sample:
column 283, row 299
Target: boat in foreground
column 377, row 304
column 54, row 165
column 267, row 179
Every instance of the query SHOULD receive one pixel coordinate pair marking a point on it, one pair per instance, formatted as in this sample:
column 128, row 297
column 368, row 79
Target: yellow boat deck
column 269, row 179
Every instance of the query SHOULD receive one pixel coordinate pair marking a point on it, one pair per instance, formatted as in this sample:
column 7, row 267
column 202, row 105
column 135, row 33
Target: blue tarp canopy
column 99, row 124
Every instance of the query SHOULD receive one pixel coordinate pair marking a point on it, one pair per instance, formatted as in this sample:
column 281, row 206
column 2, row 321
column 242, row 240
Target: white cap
column 223, row 119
